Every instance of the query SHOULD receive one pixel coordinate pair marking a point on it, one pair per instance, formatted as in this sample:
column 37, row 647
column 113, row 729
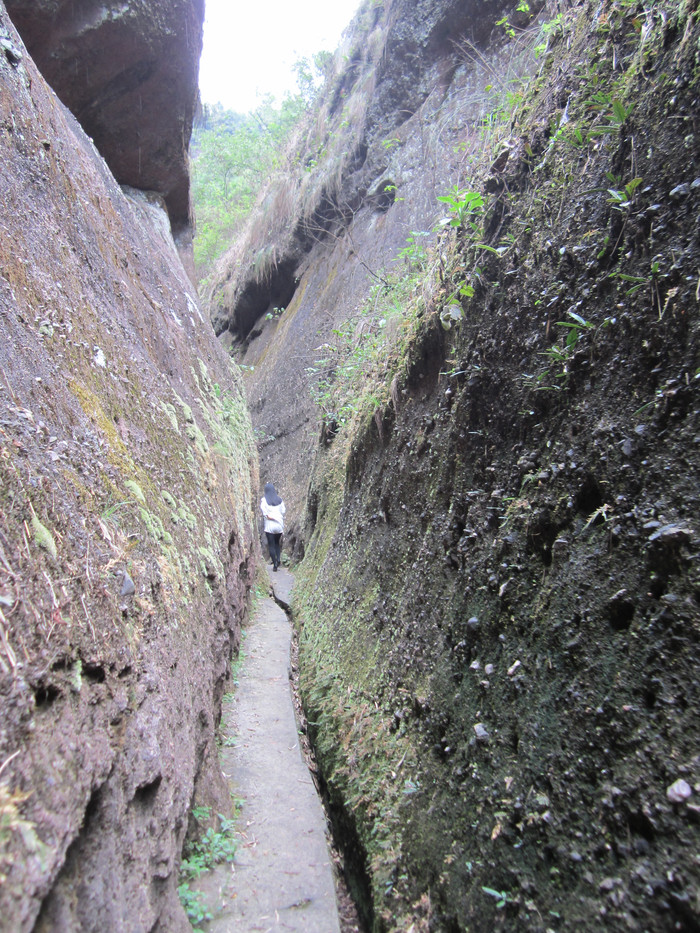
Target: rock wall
column 128, row 72
column 499, row 603
column 127, row 469
column 388, row 140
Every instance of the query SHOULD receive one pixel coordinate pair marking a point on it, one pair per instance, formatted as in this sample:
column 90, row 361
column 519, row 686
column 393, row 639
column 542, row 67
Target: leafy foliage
column 234, row 155
column 463, row 205
column 356, row 366
column 192, row 901
column 214, row 847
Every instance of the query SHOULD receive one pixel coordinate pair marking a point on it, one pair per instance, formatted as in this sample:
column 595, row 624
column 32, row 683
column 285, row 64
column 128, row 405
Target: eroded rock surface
column 128, row 72
column 126, row 464
column 410, row 79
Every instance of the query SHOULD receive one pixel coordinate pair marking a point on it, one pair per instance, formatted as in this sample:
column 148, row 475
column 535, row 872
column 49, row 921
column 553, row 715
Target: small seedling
column 501, row 896
column 193, row 903
column 200, row 856
column 463, row 205
column 621, row 199
column 414, row 251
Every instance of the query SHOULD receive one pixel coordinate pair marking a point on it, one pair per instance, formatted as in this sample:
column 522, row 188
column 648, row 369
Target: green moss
column 135, row 490
column 187, row 518
column 43, row 537
column 118, row 454
column 194, row 433
column 205, row 380
column 187, row 573
column 186, row 410
column 210, row 565
column 171, row 415
column 168, row 499
column 153, row 524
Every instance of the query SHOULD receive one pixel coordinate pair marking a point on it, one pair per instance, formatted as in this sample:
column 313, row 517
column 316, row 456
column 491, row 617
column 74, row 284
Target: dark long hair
column 271, row 496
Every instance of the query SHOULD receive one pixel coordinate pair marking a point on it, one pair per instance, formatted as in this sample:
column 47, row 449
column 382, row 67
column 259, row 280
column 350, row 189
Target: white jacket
column 274, row 516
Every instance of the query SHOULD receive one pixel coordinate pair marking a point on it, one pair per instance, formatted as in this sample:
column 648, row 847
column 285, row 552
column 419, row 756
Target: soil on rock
column 501, row 592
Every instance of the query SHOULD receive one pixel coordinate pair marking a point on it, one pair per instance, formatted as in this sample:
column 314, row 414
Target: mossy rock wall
column 499, row 606
column 127, row 470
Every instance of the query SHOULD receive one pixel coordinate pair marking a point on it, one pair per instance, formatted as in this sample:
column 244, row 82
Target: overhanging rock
column 128, row 71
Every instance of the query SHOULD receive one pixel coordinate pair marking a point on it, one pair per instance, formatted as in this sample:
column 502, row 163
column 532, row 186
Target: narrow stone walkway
column 281, row 877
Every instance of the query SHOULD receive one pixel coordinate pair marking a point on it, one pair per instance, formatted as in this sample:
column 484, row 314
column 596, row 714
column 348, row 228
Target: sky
column 250, row 46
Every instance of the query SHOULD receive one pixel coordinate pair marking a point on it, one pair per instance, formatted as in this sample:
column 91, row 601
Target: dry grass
column 315, row 163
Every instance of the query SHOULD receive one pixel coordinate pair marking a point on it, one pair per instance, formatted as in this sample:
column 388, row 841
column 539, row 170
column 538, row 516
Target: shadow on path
column 281, row 877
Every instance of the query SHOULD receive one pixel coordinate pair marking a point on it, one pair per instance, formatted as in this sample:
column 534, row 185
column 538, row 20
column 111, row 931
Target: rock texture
column 128, row 72
column 387, row 143
column 499, row 603
column 126, row 552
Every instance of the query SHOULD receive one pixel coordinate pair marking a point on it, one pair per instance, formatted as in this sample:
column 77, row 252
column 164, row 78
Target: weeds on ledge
column 200, row 856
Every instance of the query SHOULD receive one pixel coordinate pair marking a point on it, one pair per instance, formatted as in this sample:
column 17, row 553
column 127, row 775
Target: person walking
column 273, row 510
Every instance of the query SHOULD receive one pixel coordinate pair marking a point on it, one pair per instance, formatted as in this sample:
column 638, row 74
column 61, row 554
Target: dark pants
column 274, row 547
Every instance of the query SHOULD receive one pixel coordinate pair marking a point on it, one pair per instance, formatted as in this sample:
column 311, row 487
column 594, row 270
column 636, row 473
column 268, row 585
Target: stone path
column 281, row 878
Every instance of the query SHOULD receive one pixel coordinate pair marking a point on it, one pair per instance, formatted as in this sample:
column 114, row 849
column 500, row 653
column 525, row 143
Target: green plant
column 214, row 847
column 622, row 198
column 109, row 514
column 634, row 282
column 233, row 158
column 501, row 896
column 576, row 326
column 620, row 112
column 576, row 137
column 615, row 115
column 561, row 354
column 352, row 375
column 463, row 205
column 508, row 27
column 549, row 30
column 414, row 252
column 194, row 906
column 201, row 813
column 522, row 7
column 263, row 436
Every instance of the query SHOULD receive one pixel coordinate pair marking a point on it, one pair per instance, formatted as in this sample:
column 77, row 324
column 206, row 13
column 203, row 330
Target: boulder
column 128, row 72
